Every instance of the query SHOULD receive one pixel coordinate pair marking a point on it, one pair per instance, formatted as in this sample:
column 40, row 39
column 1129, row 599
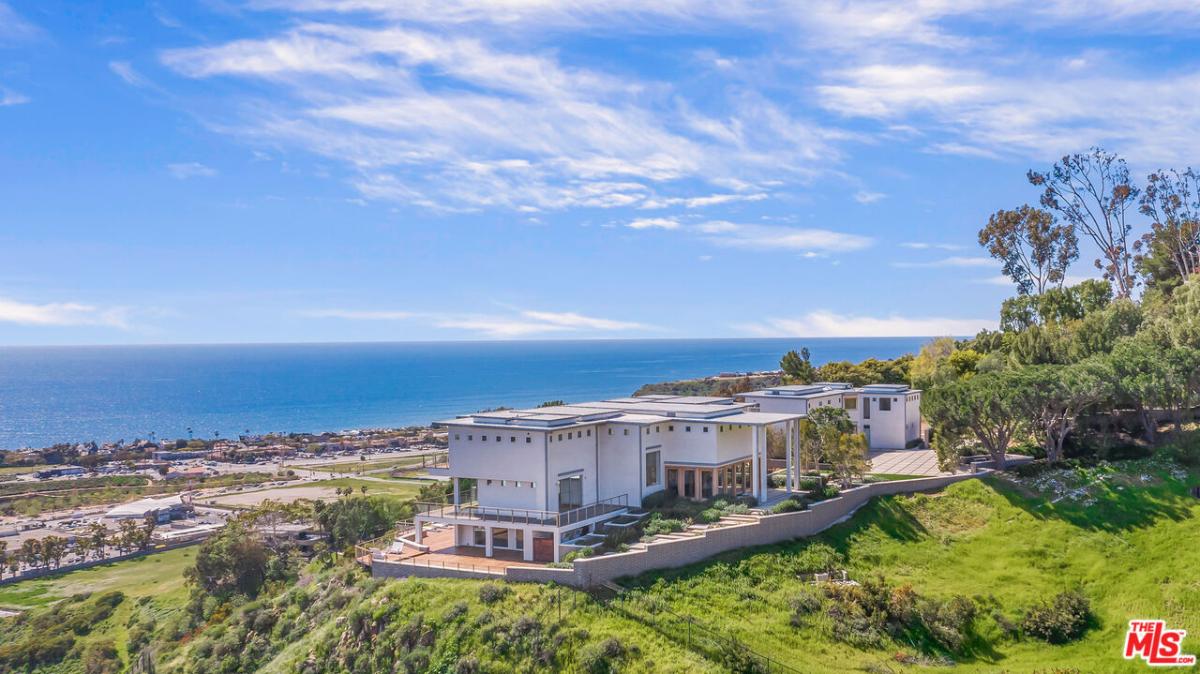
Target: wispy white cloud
column 513, row 128
column 868, row 197
column 521, row 323
column 926, row 245
column 953, row 261
column 358, row 315
column 830, row 324
column 654, row 223
column 10, row 97
column 775, row 237
column 13, row 28
column 191, row 169
column 61, row 314
column 126, row 71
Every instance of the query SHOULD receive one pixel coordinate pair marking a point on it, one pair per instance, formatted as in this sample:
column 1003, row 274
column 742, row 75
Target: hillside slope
column 1126, row 536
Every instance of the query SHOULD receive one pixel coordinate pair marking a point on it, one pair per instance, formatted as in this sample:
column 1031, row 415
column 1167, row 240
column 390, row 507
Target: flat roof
column 632, row 409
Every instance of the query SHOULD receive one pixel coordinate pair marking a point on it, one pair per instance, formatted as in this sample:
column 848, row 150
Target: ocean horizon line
column 548, row 340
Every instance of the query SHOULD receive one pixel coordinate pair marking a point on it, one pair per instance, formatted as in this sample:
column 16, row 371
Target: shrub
column 658, row 525
column 656, row 500
column 615, row 537
column 491, row 593
column 1186, row 450
column 825, row 492
column 817, row 558
column 603, row 657
column 708, row 516
column 803, row 605
column 790, row 505
column 776, row 480
column 747, row 500
column 1063, row 619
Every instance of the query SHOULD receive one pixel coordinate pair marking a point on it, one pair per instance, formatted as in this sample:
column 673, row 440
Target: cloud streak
column 61, row 314
column 523, row 323
column 824, row 323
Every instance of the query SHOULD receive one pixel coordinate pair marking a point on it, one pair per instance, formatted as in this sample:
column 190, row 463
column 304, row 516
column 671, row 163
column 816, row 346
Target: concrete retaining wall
column 674, row 553
column 766, row 531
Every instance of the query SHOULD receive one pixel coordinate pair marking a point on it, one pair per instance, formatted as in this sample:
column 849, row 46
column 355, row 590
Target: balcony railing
column 474, row 511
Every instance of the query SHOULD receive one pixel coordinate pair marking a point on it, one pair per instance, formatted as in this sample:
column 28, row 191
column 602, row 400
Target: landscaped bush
column 790, row 505
column 1186, row 450
column 777, row 480
column 618, row 536
column 708, row 516
column 822, row 493
column 658, row 525
column 655, row 501
column 1063, row 619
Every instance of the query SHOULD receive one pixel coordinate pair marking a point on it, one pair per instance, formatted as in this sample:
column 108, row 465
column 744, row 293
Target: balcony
column 546, row 518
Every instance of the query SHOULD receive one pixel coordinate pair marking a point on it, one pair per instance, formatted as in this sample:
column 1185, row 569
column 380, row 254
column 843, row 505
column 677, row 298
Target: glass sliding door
column 570, row 493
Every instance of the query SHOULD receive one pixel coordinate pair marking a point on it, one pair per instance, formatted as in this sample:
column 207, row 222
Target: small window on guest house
column 885, row 404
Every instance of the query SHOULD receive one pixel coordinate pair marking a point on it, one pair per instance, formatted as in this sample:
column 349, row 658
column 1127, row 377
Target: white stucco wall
column 572, row 452
column 511, row 459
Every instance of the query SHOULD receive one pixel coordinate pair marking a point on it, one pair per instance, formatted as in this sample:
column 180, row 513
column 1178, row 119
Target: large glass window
column 652, row 468
column 866, row 408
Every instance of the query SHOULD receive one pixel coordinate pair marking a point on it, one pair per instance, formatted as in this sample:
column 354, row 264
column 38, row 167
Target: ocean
column 74, row 394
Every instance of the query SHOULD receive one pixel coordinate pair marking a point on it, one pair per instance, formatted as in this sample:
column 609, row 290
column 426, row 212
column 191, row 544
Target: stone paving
column 906, row 462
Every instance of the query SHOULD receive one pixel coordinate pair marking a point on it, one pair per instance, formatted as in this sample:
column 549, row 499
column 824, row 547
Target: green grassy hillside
column 1125, row 536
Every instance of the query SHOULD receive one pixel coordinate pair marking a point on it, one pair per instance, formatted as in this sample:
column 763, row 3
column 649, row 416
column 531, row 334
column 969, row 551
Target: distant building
column 180, row 454
column 64, row 471
column 162, row 510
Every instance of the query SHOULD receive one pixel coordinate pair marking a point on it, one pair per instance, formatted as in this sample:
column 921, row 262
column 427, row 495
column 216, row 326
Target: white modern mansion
column 548, row 475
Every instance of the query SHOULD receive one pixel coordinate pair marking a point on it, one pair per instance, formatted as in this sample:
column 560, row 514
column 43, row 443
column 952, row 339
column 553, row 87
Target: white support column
column 418, row 533
column 487, row 541
column 765, row 483
column 787, row 430
column 527, row 545
column 754, row 463
column 457, row 494
column 557, row 542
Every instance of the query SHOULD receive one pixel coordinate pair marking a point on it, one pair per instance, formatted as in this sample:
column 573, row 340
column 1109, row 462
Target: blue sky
column 340, row 170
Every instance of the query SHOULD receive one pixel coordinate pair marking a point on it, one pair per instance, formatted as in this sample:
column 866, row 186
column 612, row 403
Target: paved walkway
column 906, row 462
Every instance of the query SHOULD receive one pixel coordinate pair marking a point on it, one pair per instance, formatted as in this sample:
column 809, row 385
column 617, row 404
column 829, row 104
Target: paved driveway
column 905, row 462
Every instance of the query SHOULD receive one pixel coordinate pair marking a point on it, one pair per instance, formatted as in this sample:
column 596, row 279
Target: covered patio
column 746, row 474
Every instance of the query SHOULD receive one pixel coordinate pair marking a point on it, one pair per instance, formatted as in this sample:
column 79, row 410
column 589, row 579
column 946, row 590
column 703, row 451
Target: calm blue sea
column 69, row 394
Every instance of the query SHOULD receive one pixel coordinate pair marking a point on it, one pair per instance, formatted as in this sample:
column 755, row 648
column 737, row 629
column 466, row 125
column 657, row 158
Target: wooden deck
column 444, row 553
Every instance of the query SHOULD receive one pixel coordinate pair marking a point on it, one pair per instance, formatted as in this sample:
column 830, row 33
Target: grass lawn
column 1127, row 536
column 159, row 575
column 20, row 470
column 360, row 466
column 399, row 488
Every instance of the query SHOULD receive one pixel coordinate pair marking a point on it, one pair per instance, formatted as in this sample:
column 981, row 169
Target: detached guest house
column 889, row 415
